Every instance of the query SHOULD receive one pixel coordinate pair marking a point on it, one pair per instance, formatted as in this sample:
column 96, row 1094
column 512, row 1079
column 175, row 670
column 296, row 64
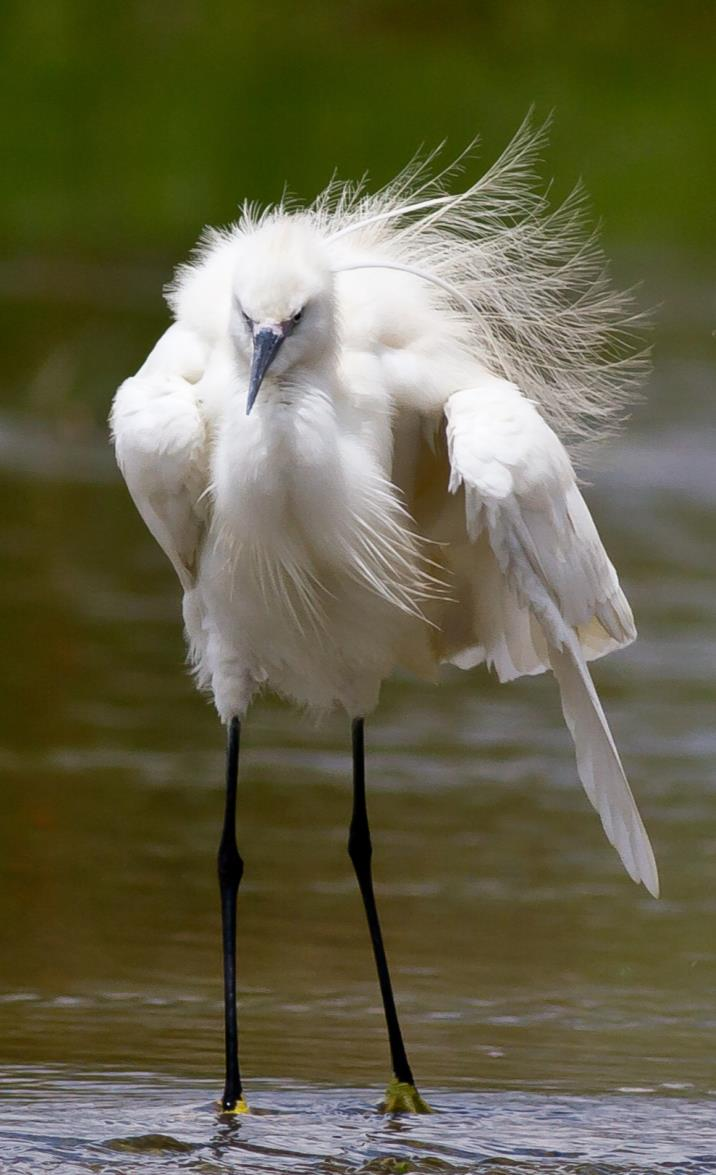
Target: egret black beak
column 267, row 340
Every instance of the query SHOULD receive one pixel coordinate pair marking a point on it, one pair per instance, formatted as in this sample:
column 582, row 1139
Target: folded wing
column 560, row 596
column 160, row 442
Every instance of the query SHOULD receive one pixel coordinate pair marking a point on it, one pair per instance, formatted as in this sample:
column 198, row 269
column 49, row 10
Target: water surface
column 144, row 1122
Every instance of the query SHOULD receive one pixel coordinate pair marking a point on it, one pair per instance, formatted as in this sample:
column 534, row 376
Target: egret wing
column 160, row 443
column 522, row 500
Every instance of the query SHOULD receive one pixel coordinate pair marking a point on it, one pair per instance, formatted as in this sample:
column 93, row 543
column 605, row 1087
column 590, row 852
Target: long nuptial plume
column 530, row 283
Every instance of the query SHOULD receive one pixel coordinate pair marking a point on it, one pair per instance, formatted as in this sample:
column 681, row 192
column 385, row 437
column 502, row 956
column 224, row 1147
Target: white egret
column 351, row 446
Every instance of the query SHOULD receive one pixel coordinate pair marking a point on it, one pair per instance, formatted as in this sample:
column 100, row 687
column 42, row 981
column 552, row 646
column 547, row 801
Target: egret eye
column 246, row 319
column 297, row 317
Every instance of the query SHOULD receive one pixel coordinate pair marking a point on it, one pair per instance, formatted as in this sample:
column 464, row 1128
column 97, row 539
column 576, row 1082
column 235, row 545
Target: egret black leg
column 360, row 851
column 231, row 869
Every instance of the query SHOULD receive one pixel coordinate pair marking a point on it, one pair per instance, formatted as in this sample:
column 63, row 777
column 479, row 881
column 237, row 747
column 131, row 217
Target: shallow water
column 145, row 1122
column 557, row 1017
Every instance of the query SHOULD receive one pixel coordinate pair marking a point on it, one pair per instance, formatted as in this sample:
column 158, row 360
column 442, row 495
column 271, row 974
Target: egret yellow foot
column 403, row 1098
column 240, row 1108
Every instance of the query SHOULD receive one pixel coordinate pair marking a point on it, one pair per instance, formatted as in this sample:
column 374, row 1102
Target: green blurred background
column 522, row 957
column 127, row 126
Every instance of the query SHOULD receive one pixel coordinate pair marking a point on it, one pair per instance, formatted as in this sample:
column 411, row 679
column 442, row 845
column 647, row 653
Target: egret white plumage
column 351, row 446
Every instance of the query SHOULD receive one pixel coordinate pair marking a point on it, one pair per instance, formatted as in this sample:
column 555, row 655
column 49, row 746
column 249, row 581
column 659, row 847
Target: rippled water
column 145, row 1122
column 557, row 1017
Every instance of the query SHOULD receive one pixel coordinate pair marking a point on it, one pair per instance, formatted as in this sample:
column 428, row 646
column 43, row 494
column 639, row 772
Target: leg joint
column 360, row 848
column 230, row 864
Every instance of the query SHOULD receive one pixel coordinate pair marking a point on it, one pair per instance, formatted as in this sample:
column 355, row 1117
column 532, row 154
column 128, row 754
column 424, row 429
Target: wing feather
column 522, row 499
column 160, row 443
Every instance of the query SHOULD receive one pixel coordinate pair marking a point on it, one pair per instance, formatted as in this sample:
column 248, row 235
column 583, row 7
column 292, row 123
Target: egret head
column 282, row 310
